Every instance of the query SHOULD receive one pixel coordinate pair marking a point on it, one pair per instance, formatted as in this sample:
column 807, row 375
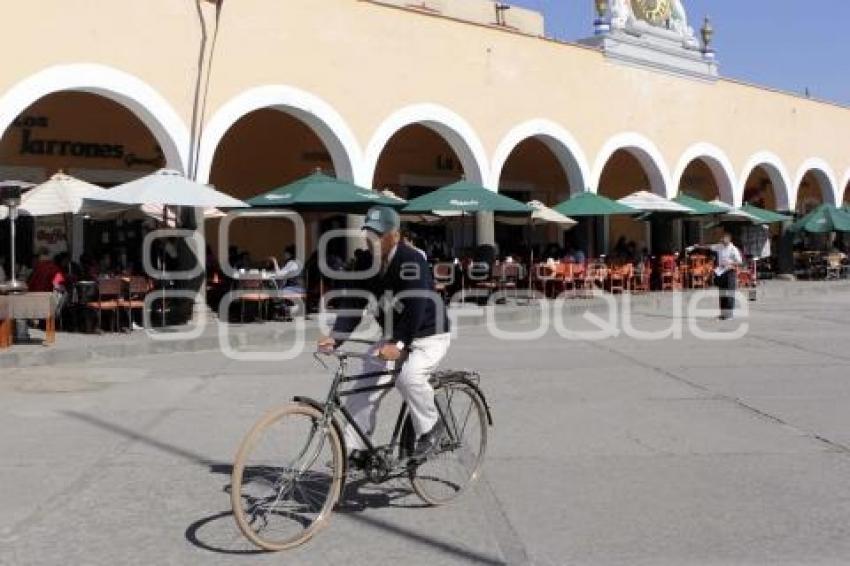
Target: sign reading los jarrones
column 31, row 144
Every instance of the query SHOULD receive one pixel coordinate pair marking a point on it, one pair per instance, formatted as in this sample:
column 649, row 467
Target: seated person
column 288, row 277
column 46, row 274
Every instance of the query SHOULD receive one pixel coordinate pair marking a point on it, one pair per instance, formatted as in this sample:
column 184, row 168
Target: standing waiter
column 415, row 327
column 729, row 259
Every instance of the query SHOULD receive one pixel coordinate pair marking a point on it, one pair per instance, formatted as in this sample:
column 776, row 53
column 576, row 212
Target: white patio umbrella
column 735, row 214
column 650, row 202
column 542, row 215
column 653, row 205
column 155, row 212
column 170, row 188
column 166, row 188
column 63, row 194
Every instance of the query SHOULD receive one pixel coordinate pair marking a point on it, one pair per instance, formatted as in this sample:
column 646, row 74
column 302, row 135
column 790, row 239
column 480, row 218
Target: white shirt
column 290, row 269
column 728, row 257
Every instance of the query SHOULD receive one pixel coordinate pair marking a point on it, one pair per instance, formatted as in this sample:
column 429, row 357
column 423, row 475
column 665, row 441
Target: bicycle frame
column 333, row 404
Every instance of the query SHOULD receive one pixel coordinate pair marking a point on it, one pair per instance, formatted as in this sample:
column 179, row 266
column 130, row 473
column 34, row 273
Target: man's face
column 382, row 244
column 727, row 239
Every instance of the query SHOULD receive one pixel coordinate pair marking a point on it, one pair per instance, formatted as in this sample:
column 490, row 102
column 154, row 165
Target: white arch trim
column 717, row 162
column 131, row 92
column 778, row 174
column 830, row 191
column 645, row 151
column 320, row 116
column 454, row 129
column 560, row 142
column 844, row 189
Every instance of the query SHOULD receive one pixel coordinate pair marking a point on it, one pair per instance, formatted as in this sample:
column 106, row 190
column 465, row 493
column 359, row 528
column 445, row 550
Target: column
column 354, row 222
column 485, row 224
column 785, row 253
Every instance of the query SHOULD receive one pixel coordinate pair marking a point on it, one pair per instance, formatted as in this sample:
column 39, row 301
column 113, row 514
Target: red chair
column 642, row 278
column 542, row 275
column 670, row 277
column 507, row 275
column 566, row 276
column 618, row 278
column 595, row 276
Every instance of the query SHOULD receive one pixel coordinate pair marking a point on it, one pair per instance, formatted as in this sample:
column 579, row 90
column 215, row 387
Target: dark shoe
column 429, row 441
column 357, row 460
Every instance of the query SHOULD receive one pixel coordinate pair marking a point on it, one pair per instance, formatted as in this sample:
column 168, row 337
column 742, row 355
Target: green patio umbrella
column 465, row 197
column 699, row 207
column 591, row 204
column 823, row 220
column 766, row 216
column 462, row 199
column 322, row 193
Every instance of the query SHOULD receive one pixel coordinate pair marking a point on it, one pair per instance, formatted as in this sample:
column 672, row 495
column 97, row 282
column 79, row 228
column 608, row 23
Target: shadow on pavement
column 354, row 502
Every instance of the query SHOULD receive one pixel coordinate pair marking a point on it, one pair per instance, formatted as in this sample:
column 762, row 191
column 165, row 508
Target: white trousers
column 423, row 357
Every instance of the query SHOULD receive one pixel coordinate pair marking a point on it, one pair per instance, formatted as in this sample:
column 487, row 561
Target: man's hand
column 389, row 352
column 326, row 344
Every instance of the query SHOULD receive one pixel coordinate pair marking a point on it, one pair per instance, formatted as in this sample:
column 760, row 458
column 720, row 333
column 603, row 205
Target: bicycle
column 283, row 495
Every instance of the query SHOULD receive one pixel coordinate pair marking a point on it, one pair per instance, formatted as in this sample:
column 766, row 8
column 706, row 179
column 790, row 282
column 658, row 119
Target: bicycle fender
column 461, row 377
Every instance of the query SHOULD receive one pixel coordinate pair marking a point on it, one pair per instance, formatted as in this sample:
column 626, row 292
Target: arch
column 717, row 162
column 825, row 176
column 457, row 132
column 560, row 142
column 152, row 109
column 320, row 116
column 778, row 174
column 645, row 151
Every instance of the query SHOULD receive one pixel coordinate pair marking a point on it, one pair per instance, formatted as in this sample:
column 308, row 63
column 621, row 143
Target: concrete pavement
column 619, row 451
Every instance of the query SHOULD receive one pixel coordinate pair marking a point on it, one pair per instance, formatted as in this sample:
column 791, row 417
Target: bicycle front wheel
column 456, row 463
column 287, row 477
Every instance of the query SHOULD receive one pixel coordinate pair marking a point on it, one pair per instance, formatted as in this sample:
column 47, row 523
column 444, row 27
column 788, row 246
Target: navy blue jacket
column 410, row 307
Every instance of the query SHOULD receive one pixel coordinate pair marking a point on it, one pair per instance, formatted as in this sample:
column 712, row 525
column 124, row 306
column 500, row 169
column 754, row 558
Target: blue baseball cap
column 382, row 219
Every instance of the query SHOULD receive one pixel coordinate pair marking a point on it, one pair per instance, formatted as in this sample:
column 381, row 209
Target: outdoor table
column 28, row 306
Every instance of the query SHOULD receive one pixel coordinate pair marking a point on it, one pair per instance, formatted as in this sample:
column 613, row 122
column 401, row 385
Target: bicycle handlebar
column 343, row 354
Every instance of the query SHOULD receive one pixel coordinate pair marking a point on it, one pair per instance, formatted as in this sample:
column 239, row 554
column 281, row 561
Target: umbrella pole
column 162, row 265
column 530, row 258
column 13, row 214
column 462, row 269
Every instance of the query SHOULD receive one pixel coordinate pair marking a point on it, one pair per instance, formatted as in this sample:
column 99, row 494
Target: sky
column 785, row 44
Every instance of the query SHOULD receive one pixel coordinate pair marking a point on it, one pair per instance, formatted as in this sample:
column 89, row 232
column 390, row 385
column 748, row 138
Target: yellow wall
column 367, row 61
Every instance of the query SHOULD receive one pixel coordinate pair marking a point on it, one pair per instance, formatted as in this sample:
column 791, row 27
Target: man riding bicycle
column 415, row 327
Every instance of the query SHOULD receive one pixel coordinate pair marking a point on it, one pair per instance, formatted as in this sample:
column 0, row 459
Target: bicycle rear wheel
column 456, row 463
column 283, row 488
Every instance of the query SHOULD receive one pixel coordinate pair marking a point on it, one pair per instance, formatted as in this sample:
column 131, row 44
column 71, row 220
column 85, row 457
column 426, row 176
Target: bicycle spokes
column 455, row 465
column 282, row 487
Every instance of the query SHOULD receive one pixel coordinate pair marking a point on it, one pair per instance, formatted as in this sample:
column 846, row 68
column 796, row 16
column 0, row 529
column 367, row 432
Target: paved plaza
column 618, row 451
